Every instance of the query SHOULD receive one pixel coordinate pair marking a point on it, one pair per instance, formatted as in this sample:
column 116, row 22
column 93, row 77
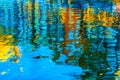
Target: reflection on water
column 80, row 33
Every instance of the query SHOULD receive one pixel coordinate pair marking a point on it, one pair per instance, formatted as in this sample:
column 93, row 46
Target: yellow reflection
column 7, row 49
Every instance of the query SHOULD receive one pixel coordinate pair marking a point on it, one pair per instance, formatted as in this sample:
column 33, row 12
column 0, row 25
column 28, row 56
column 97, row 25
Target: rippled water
column 83, row 34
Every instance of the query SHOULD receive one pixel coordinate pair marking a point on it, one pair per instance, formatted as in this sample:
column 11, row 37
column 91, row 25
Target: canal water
column 59, row 40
